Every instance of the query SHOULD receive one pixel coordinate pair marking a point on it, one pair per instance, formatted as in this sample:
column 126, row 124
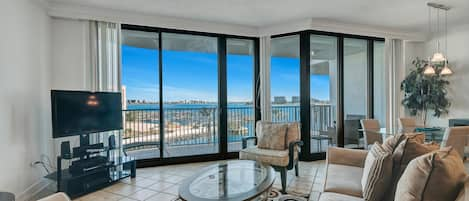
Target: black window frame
column 305, row 95
column 222, row 94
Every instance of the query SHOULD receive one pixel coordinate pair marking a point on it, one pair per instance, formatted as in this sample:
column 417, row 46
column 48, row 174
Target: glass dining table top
column 432, row 134
column 229, row 180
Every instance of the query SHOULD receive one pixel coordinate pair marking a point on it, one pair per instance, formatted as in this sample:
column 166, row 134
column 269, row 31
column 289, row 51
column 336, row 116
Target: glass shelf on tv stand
column 116, row 155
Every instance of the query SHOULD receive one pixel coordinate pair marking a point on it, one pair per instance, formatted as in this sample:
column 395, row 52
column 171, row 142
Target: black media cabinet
column 117, row 166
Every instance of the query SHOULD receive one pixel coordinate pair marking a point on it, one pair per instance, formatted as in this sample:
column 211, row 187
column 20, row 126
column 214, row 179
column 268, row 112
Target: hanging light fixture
column 429, row 69
column 446, row 70
column 438, row 56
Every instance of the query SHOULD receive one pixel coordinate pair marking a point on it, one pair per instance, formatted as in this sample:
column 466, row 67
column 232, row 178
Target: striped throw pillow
column 377, row 173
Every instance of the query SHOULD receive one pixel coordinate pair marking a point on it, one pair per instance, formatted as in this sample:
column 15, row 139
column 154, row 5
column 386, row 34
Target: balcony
column 194, row 131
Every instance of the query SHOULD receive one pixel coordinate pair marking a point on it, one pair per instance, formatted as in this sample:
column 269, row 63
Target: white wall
column 70, row 61
column 25, row 125
column 458, row 56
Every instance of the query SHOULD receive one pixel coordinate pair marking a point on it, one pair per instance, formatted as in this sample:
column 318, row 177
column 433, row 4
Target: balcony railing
column 197, row 126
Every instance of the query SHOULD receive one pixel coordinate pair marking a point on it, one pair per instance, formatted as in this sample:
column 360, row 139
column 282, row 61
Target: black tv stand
column 92, row 170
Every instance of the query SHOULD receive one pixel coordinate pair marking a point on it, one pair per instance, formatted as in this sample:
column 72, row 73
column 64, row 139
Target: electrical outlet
column 34, row 163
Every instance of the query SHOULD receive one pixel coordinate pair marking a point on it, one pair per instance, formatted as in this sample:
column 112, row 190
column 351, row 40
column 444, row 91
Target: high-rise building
column 295, row 99
column 280, row 100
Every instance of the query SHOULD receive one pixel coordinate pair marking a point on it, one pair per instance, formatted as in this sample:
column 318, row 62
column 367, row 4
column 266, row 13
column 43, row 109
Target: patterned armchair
column 277, row 144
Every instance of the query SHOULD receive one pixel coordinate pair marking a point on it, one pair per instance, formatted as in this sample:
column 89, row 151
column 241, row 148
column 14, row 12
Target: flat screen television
column 84, row 112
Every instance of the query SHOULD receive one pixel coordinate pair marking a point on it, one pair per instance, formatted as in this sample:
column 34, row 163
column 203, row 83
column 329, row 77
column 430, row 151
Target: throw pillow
column 407, row 150
column 293, row 133
column 376, row 173
column 437, row 176
column 271, row 135
column 419, row 137
column 391, row 142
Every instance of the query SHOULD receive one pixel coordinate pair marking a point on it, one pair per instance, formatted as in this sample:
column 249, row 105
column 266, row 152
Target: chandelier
column 438, row 58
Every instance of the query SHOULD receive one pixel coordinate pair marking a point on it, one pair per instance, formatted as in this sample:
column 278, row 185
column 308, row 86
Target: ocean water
column 182, row 106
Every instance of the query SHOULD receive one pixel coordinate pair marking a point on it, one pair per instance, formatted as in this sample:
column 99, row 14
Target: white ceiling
column 404, row 15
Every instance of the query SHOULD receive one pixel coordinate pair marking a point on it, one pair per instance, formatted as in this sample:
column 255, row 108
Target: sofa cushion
column 326, row 196
column 437, row 176
column 268, row 156
column 271, row 135
column 377, row 173
column 344, row 179
column 406, row 151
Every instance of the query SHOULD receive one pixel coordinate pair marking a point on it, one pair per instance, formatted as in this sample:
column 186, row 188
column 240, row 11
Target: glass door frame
column 222, row 95
column 305, row 93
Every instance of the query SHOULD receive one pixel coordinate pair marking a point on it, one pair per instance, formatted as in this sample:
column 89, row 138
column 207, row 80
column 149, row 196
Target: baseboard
column 32, row 191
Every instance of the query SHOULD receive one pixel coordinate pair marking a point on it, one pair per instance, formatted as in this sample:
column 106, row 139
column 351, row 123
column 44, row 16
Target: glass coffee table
column 229, row 181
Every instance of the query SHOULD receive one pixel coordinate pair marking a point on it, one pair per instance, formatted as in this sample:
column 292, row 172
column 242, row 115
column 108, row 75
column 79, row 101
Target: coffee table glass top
column 232, row 180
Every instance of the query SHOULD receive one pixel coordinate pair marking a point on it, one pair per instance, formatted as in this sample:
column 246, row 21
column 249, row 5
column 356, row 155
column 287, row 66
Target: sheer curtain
column 105, row 65
column 394, row 59
column 265, row 78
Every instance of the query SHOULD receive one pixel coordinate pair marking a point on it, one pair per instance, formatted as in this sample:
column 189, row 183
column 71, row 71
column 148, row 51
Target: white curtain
column 105, row 65
column 105, row 56
column 265, row 78
column 394, row 59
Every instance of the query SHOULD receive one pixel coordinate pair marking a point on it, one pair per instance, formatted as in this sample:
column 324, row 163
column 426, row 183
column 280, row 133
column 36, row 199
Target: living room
column 234, row 100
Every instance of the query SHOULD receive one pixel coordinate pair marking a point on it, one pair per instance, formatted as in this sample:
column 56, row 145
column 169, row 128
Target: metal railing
column 195, row 126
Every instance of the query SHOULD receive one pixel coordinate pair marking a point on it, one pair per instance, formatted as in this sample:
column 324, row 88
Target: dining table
column 432, row 134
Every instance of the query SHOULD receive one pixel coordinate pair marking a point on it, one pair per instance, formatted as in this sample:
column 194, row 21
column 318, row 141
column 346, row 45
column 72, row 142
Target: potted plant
column 425, row 92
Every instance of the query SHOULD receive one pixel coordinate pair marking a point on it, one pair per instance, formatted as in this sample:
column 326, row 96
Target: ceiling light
column 429, row 70
column 438, row 57
column 446, row 70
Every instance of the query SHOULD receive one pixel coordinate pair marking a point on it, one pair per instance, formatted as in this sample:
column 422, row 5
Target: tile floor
column 162, row 183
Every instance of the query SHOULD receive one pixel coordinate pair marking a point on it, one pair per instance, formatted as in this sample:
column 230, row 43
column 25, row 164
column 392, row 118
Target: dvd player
column 86, row 165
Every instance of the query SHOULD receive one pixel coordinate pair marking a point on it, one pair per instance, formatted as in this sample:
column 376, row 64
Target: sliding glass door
column 190, row 96
column 140, row 92
column 285, row 79
column 323, row 92
column 355, row 90
column 240, row 91
column 326, row 80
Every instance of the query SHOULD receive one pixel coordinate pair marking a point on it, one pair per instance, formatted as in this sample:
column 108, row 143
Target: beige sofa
column 344, row 169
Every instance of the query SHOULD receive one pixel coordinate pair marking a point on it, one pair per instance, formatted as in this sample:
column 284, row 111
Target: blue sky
column 193, row 76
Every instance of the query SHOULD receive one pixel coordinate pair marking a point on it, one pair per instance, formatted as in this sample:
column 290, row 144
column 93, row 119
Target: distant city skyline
column 194, row 76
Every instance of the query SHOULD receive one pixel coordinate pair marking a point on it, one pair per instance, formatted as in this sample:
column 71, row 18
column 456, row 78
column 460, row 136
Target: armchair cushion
column 437, row 176
column 293, row 133
column 268, row 156
column 343, row 179
column 271, row 135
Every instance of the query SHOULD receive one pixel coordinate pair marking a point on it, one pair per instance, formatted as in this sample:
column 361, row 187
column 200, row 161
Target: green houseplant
column 424, row 93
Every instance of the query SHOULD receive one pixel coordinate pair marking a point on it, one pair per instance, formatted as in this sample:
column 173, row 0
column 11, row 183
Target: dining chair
column 456, row 137
column 371, row 132
column 407, row 125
